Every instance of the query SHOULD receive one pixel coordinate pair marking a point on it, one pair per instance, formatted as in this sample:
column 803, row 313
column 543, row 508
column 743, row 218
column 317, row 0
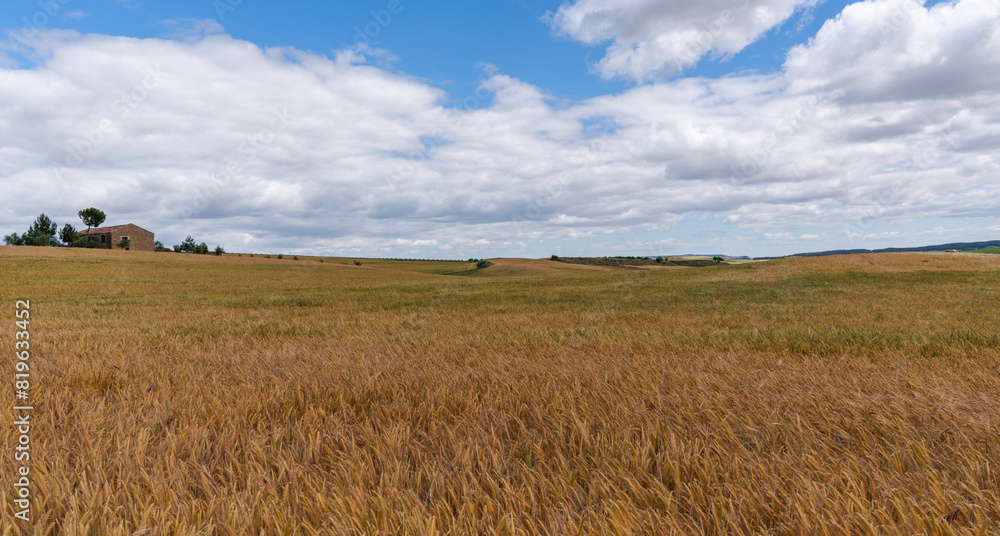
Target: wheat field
column 183, row 394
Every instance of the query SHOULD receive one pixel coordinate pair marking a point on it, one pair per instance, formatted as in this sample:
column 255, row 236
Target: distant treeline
column 45, row 232
column 636, row 261
column 960, row 246
column 409, row 260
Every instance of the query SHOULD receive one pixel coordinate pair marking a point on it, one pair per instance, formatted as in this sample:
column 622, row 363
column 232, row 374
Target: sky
column 514, row 128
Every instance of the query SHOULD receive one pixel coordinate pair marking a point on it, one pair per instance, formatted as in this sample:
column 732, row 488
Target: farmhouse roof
column 102, row 230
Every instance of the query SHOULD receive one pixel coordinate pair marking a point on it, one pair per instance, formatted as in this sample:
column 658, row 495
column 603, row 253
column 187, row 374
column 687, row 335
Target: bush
column 219, row 250
column 187, row 246
column 357, row 263
column 281, row 256
column 41, row 233
column 554, row 258
column 68, row 235
column 483, row 264
column 295, row 257
column 267, row 256
column 85, row 242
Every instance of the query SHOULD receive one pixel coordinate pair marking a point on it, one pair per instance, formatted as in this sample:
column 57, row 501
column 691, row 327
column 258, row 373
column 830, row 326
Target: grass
column 987, row 250
column 183, row 394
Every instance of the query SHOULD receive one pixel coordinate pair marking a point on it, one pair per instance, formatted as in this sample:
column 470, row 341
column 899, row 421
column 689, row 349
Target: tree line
column 45, row 232
column 189, row 246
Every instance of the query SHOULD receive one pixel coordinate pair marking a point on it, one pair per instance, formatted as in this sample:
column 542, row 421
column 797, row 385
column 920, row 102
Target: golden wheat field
column 181, row 394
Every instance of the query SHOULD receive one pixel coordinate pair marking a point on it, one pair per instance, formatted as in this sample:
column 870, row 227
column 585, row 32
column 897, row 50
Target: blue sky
column 443, row 42
column 639, row 114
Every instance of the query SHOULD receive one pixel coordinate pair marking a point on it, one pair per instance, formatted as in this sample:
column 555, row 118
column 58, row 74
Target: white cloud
column 892, row 50
column 654, row 38
column 75, row 14
column 191, row 30
column 411, row 243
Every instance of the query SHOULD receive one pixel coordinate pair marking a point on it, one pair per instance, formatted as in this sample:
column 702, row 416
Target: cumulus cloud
column 892, row 50
column 279, row 149
column 655, row 38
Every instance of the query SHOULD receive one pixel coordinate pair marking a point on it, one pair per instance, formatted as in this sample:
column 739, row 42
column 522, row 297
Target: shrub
column 41, row 233
column 85, row 242
column 357, row 263
column 483, row 264
column 68, row 235
column 554, row 258
column 295, row 257
column 219, row 250
column 187, row 246
column 281, row 256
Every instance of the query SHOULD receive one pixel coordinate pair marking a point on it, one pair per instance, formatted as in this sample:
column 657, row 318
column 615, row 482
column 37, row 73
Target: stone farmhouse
column 109, row 237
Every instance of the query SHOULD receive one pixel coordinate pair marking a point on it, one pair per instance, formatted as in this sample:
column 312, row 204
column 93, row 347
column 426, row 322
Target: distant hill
column 960, row 246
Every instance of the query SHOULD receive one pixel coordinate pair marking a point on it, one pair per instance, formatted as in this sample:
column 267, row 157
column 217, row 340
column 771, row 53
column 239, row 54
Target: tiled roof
column 99, row 230
column 110, row 228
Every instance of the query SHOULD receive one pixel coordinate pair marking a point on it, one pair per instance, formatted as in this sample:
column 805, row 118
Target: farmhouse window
column 104, row 238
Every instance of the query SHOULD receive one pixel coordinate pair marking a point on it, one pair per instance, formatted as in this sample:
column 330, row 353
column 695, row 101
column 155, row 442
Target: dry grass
column 181, row 394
